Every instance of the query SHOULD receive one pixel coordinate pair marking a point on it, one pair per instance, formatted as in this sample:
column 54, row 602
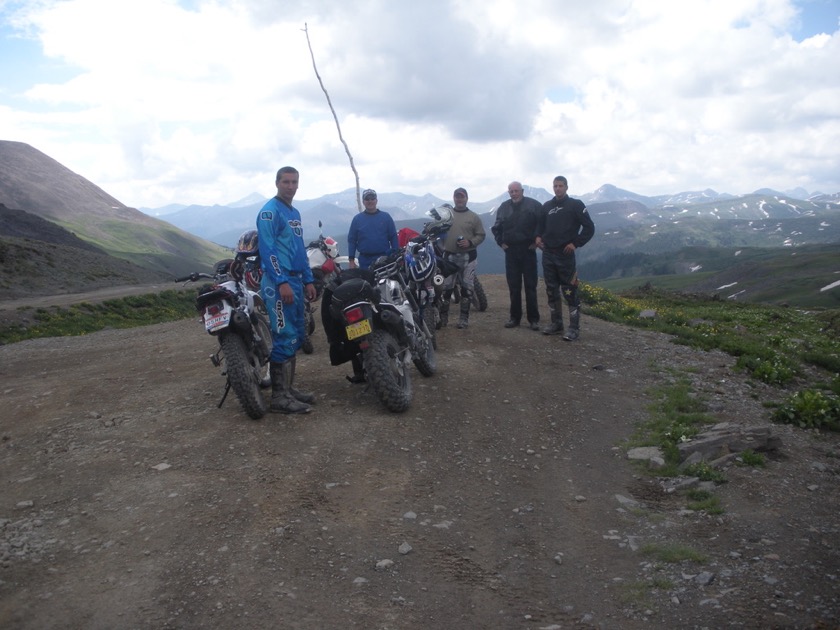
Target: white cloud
column 201, row 101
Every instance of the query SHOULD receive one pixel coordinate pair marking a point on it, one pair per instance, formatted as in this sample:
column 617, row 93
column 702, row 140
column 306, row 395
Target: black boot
column 444, row 308
column 574, row 325
column 281, row 400
column 556, row 326
column 304, row 397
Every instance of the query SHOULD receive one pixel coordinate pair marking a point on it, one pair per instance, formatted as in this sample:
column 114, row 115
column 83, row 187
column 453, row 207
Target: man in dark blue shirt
column 564, row 225
column 372, row 233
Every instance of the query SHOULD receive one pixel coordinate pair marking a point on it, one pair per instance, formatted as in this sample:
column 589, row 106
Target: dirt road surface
column 501, row 499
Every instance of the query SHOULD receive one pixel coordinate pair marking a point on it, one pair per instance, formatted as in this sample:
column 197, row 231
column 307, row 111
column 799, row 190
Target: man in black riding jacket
column 564, row 226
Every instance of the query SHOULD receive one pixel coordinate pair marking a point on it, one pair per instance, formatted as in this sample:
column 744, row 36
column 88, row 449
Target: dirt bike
column 422, row 282
column 371, row 318
column 233, row 311
column 478, row 297
column 325, row 264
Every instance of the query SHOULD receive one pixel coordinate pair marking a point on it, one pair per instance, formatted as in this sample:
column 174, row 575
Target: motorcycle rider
column 459, row 247
column 564, row 225
column 372, row 233
column 286, row 279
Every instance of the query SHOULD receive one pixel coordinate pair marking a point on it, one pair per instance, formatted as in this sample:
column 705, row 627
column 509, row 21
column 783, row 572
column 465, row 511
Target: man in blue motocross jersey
column 286, row 279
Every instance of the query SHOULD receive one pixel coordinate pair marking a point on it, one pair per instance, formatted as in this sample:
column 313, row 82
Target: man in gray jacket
column 464, row 237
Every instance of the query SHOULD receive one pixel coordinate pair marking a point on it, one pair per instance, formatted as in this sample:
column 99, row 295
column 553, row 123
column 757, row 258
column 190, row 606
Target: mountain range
column 635, row 234
column 625, row 221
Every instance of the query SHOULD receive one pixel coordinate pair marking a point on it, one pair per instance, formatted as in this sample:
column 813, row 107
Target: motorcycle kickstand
column 227, row 390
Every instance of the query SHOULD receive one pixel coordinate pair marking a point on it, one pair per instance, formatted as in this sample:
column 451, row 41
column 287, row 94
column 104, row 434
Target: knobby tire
column 308, row 329
column 431, row 317
column 387, row 372
column 479, row 297
column 424, row 356
column 244, row 373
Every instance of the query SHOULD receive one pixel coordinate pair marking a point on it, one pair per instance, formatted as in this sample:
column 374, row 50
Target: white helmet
column 442, row 220
column 331, row 247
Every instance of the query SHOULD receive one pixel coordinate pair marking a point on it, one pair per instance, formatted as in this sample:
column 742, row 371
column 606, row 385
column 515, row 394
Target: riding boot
column 281, row 401
column 464, row 317
column 556, row 326
column 444, row 308
column 304, row 397
column 574, row 325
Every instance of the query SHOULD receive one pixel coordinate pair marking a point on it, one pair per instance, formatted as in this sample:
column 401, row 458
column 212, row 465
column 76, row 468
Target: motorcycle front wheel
column 308, row 329
column 424, row 356
column 244, row 373
column 432, row 319
column 387, row 372
column 261, row 328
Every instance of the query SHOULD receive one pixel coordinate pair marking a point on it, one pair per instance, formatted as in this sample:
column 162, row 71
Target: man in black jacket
column 514, row 231
column 564, row 226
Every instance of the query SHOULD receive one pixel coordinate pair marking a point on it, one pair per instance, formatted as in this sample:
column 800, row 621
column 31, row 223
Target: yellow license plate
column 359, row 329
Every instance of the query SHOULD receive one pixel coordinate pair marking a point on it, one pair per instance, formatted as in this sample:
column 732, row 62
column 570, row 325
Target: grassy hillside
column 162, row 247
column 33, row 182
column 39, row 257
column 774, row 276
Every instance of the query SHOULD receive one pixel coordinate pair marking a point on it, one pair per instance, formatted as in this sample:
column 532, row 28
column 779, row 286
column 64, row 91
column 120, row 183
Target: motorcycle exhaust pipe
column 390, row 317
column 437, row 280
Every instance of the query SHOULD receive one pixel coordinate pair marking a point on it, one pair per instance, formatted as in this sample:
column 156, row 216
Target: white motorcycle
column 325, row 263
column 233, row 311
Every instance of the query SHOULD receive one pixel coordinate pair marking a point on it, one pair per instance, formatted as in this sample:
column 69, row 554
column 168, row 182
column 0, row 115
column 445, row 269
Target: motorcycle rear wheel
column 479, row 297
column 244, row 374
column 387, row 372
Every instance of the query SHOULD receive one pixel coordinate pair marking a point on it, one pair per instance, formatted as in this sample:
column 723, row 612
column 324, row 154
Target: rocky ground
column 502, row 499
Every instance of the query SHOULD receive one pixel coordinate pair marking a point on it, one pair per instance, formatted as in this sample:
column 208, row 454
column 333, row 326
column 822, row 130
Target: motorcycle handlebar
column 194, row 276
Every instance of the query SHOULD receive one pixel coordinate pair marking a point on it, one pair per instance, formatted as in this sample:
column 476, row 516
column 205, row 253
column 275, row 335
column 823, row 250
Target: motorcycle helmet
column 253, row 276
column 441, row 220
column 249, row 244
column 419, row 260
column 331, row 247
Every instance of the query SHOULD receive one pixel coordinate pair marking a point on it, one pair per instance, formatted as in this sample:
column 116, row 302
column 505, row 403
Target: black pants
column 560, row 274
column 521, row 268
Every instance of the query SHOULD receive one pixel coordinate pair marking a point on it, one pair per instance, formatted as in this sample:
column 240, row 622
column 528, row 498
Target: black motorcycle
column 372, row 320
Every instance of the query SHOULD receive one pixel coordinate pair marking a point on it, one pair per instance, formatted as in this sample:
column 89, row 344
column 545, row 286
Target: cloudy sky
column 194, row 101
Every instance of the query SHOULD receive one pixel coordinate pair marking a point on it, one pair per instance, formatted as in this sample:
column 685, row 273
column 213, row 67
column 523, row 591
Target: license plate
column 222, row 319
column 359, row 329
